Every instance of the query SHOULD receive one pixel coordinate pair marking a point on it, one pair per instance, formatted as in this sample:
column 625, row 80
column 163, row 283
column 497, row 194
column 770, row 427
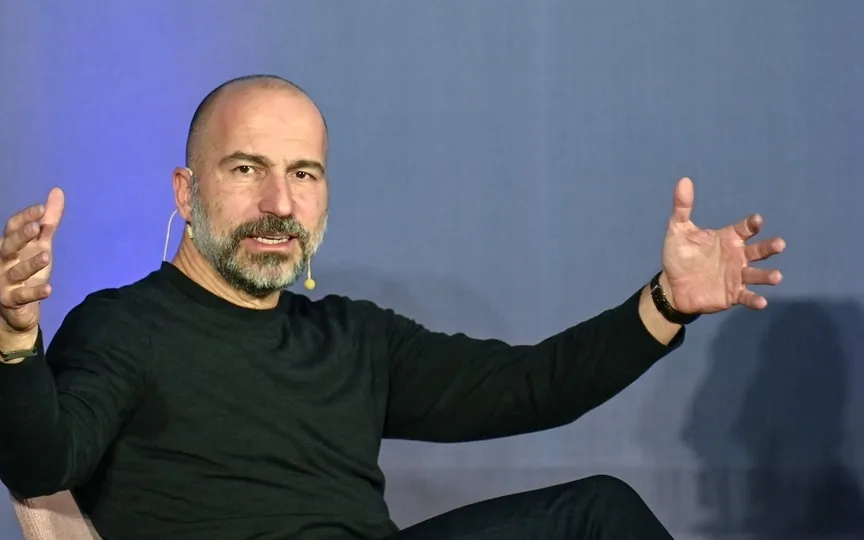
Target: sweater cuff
column 18, row 376
column 642, row 338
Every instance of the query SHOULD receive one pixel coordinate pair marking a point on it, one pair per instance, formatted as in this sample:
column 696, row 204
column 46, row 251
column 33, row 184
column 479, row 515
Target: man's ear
column 182, row 192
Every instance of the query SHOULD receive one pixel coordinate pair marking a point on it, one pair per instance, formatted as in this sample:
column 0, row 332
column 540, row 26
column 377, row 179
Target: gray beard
column 261, row 274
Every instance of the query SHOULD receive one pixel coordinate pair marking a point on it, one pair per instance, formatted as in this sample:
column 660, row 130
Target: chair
column 54, row 517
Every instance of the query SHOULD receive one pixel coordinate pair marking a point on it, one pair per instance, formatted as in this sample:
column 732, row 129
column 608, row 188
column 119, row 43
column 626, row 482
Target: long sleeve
column 452, row 388
column 59, row 411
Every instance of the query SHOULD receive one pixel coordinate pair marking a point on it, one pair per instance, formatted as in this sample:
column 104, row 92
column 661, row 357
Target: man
column 203, row 401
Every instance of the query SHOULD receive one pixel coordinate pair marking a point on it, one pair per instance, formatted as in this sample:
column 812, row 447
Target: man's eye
column 303, row 175
column 244, row 169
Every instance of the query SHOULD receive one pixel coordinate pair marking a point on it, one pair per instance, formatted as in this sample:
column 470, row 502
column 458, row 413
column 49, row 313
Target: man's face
column 260, row 201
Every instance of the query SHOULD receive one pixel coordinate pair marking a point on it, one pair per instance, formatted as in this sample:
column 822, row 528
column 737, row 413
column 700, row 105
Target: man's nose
column 276, row 197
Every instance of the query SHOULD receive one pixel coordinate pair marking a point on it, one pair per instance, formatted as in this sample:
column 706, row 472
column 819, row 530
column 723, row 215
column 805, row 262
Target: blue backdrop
column 506, row 169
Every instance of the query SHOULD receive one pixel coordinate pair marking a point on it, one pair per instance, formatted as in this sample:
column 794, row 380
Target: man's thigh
column 599, row 507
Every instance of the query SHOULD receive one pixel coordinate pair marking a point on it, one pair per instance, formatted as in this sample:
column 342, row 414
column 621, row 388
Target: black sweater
column 172, row 413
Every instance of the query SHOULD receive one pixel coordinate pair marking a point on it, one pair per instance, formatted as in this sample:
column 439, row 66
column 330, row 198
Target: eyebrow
column 264, row 161
column 257, row 159
column 306, row 164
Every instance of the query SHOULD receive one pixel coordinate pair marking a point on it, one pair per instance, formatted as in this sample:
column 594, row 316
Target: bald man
column 204, row 401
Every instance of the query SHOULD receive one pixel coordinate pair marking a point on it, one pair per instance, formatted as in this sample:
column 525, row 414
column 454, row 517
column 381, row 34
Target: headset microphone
column 168, row 235
column 170, row 221
column 309, row 283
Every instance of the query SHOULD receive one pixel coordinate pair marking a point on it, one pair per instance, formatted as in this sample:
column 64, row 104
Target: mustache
column 273, row 226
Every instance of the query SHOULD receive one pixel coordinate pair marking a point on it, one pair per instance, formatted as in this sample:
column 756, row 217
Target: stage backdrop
column 506, row 169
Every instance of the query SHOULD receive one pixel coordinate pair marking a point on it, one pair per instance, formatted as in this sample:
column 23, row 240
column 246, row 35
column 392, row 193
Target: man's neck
column 190, row 261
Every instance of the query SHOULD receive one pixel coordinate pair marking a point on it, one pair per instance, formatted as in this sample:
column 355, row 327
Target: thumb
column 53, row 213
column 682, row 203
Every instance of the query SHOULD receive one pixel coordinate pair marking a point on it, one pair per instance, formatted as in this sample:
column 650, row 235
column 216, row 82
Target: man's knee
column 609, row 491
column 609, row 507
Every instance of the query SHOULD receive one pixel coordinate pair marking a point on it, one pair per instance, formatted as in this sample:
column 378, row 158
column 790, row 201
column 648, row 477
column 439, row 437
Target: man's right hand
column 26, row 259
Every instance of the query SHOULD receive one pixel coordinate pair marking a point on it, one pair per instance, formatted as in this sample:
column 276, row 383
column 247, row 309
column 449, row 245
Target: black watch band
column 15, row 357
column 665, row 308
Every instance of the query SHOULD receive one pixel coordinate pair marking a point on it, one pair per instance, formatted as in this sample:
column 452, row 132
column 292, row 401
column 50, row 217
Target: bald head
column 213, row 100
column 257, row 200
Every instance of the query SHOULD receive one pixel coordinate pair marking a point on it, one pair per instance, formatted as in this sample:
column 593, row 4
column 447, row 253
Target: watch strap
column 665, row 308
column 15, row 357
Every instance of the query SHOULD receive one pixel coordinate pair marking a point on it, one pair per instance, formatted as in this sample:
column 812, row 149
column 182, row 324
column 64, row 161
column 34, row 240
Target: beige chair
column 55, row 517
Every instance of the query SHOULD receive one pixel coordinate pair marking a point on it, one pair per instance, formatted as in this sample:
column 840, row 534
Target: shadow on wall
column 773, row 459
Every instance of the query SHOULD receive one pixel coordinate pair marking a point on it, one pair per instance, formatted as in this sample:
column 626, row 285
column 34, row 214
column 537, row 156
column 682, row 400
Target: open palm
column 709, row 270
column 26, row 255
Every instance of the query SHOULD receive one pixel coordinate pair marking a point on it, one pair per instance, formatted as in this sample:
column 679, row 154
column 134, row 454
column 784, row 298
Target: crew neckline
column 207, row 299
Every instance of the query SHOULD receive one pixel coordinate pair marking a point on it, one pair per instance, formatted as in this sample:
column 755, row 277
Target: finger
column 751, row 300
column 682, row 202
column 25, row 269
column 21, row 296
column 16, row 240
column 749, row 226
column 761, row 276
column 53, row 213
column 33, row 213
column 764, row 249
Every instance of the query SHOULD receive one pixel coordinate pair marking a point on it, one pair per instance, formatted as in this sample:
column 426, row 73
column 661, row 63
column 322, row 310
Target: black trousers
column 595, row 508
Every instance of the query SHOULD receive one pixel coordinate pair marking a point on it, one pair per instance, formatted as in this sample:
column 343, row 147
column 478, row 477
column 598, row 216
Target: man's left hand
column 705, row 270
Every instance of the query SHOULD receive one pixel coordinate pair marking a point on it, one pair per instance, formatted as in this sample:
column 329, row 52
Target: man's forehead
column 266, row 126
column 278, row 113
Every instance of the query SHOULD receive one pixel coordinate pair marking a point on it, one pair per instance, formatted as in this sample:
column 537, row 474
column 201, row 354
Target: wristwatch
column 15, row 357
column 665, row 308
